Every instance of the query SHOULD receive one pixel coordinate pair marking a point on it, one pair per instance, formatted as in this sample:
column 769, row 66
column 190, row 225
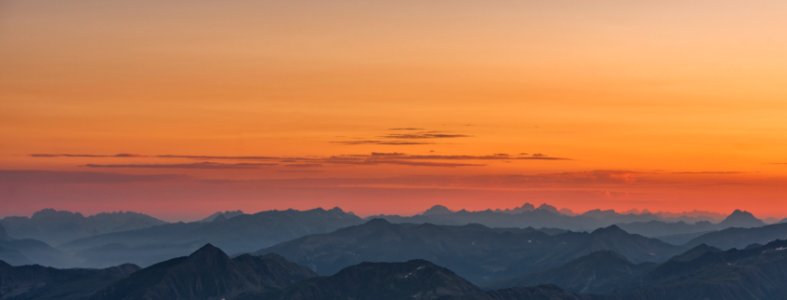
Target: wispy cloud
column 424, row 135
column 405, row 129
column 381, row 142
column 200, row 165
column 256, row 161
column 71, row 177
column 411, row 136
column 79, row 155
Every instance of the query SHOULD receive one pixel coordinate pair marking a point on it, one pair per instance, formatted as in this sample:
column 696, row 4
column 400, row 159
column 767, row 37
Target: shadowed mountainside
column 475, row 252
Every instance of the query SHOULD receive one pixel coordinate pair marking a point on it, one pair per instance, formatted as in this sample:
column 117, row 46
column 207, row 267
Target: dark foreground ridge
column 704, row 272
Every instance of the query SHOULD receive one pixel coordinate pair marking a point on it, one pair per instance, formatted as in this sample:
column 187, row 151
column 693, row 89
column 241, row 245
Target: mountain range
column 238, row 234
column 209, row 274
column 29, row 251
column 56, row 227
column 481, row 254
column 703, row 272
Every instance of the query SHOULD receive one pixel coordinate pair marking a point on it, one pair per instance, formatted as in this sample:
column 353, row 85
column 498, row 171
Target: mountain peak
column 741, row 218
column 609, row 230
column 437, row 210
column 209, row 252
column 547, row 207
column 378, row 222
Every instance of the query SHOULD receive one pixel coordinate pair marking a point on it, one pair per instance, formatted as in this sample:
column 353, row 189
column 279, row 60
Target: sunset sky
column 182, row 108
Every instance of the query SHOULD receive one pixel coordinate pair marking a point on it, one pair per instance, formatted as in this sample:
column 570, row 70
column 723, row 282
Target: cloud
column 373, row 158
column 304, row 165
column 424, row 135
column 381, row 142
column 405, row 129
column 71, row 177
column 497, row 156
column 414, row 136
column 218, row 157
column 79, row 155
column 199, row 165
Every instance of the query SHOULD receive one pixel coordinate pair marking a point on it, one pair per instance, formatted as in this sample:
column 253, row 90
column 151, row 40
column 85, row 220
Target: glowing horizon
column 180, row 109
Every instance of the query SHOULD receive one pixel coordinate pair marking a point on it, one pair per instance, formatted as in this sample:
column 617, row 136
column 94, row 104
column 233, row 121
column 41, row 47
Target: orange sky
column 661, row 105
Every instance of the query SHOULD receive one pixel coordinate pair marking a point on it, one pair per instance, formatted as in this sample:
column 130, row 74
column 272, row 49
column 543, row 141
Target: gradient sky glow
column 181, row 108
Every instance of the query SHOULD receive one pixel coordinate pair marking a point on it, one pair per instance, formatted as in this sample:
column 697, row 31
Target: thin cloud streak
column 200, row 165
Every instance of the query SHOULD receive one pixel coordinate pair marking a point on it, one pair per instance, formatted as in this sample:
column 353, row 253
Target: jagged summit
column 437, row 210
column 741, row 218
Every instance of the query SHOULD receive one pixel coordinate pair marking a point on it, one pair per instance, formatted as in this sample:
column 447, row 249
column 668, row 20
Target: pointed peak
column 612, row 229
column 741, row 218
column 437, row 210
column 378, row 222
column 209, row 252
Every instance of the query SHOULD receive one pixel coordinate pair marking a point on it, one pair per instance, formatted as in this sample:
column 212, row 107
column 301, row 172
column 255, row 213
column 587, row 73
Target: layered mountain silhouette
column 742, row 237
column 241, row 233
column 29, row 251
column 476, row 252
column 209, row 273
column 56, row 227
column 703, row 272
column 673, row 228
column 755, row 273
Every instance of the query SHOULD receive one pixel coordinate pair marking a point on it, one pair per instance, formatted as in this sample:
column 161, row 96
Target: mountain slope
column 741, row 218
column 208, row 273
column 28, row 251
column 415, row 279
column 598, row 273
column 478, row 253
column 741, row 237
column 754, row 273
column 44, row 283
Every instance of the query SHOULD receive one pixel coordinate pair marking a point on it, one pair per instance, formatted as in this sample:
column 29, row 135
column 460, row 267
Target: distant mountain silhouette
column 45, row 283
column 222, row 215
column 242, row 233
column 476, row 252
column 208, row 273
column 56, row 227
column 29, row 251
column 548, row 216
column 740, row 218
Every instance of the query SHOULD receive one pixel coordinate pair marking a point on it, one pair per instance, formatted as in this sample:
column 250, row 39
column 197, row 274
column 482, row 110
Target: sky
column 182, row 108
